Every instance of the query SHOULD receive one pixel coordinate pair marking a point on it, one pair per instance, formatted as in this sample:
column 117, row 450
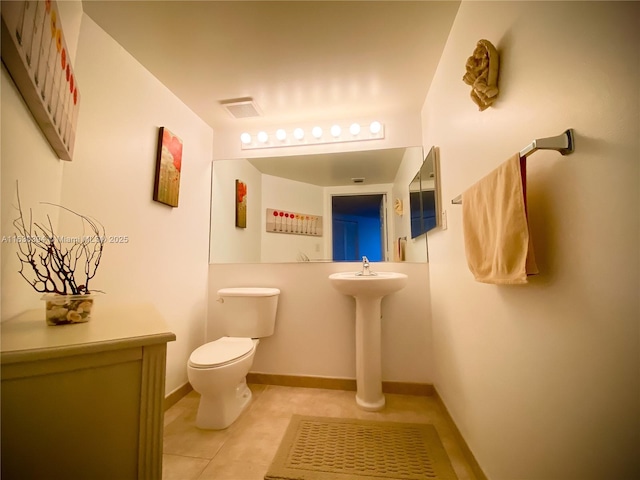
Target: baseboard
column 408, row 388
column 173, row 398
column 466, row 451
column 403, row 388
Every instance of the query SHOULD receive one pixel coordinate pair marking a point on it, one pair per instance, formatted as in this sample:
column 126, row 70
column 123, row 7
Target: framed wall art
column 241, row 204
column 283, row 221
column 168, row 166
column 36, row 55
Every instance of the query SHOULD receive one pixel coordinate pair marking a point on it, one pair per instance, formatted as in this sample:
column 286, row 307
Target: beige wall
column 543, row 379
column 315, row 324
column 315, row 327
column 110, row 178
column 298, row 197
column 227, row 243
column 25, row 150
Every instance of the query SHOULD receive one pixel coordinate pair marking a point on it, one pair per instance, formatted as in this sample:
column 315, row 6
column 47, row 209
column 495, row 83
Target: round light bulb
column 375, row 127
column 316, row 132
column 245, row 138
column 336, row 131
column 263, row 137
column 298, row 133
column 281, row 134
column 354, row 129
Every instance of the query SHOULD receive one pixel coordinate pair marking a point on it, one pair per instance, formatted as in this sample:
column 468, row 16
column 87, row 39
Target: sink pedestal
column 368, row 290
column 368, row 357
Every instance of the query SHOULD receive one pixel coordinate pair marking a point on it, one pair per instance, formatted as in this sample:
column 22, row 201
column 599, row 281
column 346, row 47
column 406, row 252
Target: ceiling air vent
column 241, row 107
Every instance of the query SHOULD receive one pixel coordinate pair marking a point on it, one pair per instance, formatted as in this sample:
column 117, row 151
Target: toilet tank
column 249, row 311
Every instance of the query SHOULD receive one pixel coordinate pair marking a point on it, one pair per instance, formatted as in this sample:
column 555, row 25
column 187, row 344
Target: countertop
column 27, row 337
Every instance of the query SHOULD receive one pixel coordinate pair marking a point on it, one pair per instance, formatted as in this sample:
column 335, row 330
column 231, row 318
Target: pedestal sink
column 368, row 291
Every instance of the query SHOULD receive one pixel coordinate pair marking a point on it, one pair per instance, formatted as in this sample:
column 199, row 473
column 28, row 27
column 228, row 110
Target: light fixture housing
column 298, row 137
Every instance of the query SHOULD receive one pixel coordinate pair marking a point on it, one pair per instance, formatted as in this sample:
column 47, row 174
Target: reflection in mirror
column 358, row 223
column 414, row 206
column 423, row 198
column 305, row 186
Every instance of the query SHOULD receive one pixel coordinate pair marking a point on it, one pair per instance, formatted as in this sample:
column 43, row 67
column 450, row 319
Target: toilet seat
column 221, row 352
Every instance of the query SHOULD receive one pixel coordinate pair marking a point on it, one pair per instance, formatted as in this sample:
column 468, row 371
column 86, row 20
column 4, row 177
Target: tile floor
column 244, row 450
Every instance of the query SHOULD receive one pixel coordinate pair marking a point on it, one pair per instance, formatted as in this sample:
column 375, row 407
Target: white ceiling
column 301, row 61
column 334, row 169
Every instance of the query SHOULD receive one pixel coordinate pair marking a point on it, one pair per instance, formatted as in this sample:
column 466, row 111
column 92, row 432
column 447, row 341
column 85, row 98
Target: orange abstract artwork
column 241, row 204
column 168, row 166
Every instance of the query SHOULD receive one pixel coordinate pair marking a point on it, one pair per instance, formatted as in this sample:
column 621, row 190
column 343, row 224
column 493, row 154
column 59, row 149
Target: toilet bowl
column 217, row 370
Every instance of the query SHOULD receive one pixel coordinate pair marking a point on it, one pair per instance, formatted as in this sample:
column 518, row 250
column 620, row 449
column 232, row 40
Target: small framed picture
column 168, row 166
column 241, row 204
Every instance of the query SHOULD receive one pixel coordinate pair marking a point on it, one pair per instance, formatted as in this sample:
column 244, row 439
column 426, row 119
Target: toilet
column 217, row 370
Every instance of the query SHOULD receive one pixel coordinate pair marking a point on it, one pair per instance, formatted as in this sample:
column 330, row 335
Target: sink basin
column 368, row 291
column 378, row 285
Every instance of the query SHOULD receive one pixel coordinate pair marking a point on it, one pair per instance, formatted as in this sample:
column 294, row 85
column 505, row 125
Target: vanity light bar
column 317, row 135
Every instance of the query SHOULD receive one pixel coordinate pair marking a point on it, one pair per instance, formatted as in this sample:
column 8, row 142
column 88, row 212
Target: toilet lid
column 248, row 292
column 221, row 351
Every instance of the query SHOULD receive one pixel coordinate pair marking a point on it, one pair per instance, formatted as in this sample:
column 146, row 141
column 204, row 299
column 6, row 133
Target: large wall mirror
column 321, row 207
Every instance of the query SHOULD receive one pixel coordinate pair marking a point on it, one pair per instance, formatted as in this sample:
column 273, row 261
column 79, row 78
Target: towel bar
column 563, row 143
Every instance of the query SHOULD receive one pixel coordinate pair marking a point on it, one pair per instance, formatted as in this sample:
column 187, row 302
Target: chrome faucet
column 365, row 267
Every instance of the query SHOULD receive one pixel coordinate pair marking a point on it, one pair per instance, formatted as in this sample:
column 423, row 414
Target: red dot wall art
column 283, row 221
column 36, row 55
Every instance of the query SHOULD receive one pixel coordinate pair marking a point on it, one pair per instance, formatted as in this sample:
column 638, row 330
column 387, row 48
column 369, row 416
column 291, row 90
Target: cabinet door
column 75, row 422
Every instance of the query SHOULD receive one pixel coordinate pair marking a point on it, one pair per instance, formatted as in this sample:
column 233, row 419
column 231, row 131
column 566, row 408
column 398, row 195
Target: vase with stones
column 60, row 267
column 65, row 309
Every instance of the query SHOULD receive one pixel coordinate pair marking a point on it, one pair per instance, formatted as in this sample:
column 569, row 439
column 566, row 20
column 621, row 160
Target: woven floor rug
column 319, row 448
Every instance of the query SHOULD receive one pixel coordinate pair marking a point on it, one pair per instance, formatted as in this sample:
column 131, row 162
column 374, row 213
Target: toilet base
column 217, row 412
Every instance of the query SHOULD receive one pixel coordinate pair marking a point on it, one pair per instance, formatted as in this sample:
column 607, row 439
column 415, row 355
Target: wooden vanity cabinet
column 83, row 401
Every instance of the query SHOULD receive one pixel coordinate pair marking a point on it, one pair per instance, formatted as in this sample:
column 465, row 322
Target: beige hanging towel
column 496, row 233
